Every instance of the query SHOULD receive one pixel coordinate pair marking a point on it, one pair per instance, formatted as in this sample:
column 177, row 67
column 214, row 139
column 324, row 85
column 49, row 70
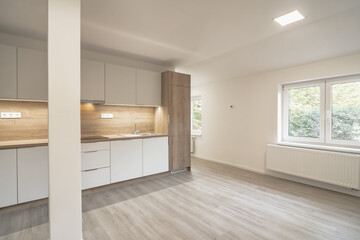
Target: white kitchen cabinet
column 126, row 160
column 155, row 155
column 95, row 164
column 95, row 159
column 8, row 181
column 92, row 80
column 95, row 146
column 32, row 74
column 95, row 178
column 120, row 85
column 8, row 81
column 148, row 88
column 33, row 173
column 95, row 155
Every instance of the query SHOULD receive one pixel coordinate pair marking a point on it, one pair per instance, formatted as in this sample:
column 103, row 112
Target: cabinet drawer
column 95, row 178
column 96, row 146
column 95, row 159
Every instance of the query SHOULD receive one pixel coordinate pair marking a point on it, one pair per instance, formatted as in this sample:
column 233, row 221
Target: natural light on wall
column 289, row 18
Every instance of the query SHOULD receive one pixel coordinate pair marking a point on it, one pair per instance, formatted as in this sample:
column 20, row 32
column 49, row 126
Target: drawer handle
column 90, row 170
column 91, row 151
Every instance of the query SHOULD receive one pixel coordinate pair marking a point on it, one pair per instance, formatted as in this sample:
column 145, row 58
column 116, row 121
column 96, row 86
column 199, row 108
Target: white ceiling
column 210, row 39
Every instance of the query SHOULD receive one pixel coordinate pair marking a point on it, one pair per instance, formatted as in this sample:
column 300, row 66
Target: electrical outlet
column 11, row 115
column 107, row 115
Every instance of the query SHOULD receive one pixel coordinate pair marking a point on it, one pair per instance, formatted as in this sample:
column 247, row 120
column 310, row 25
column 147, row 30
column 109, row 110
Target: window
column 322, row 111
column 196, row 115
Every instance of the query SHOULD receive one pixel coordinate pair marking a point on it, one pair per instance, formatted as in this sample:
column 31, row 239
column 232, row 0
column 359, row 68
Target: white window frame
column 285, row 114
column 329, row 83
column 195, row 132
column 325, row 111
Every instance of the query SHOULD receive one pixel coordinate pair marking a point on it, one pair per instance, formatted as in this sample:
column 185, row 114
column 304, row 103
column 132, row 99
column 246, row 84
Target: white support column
column 64, row 120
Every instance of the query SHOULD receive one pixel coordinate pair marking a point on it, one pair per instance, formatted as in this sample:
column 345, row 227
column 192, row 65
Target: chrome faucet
column 135, row 130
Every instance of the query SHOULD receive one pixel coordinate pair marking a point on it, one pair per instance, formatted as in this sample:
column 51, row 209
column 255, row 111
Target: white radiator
column 336, row 168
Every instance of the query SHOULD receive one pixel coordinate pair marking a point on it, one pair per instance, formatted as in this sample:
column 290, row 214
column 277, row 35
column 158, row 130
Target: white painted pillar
column 64, row 120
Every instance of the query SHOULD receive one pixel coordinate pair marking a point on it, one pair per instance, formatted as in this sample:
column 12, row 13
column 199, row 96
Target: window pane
column 345, row 111
column 196, row 115
column 304, row 112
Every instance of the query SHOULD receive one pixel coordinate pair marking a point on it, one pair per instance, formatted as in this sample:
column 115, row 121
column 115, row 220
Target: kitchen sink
column 146, row 134
column 137, row 135
column 128, row 135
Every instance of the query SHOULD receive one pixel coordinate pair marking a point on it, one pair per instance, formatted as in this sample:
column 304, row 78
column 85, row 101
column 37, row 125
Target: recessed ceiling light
column 289, row 18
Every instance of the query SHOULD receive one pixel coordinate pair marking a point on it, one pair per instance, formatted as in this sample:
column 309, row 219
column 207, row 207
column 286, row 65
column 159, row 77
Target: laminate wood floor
column 213, row 201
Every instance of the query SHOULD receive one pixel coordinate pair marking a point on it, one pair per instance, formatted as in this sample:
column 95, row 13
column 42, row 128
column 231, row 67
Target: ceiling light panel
column 289, row 18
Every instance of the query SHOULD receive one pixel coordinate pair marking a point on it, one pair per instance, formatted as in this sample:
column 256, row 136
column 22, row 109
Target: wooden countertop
column 84, row 139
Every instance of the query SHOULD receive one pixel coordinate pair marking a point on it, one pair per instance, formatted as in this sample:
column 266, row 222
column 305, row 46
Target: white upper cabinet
column 8, row 181
column 92, row 80
column 32, row 74
column 148, row 88
column 120, row 85
column 155, row 155
column 33, row 173
column 8, row 82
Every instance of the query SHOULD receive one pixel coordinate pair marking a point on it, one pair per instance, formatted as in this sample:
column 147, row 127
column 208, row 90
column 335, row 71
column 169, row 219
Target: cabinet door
column 120, row 85
column 126, row 160
column 32, row 74
column 8, row 82
column 95, row 178
column 179, row 152
column 8, row 181
column 92, row 80
column 148, row 88
column 180, row 111
column 33, row 173
column 155, row 155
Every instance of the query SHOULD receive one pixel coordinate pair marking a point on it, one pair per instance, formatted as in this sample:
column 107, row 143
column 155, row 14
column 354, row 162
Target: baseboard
column 229, row 164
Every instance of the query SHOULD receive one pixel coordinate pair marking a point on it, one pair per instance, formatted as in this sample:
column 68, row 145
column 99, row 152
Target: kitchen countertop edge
column 44, row 142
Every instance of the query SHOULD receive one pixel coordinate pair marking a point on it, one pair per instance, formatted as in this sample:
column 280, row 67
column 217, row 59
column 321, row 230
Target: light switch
column 107, row 115
column 10, row 115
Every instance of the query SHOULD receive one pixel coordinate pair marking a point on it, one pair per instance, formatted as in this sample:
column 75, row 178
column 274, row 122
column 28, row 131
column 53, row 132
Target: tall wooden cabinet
column 174, row 117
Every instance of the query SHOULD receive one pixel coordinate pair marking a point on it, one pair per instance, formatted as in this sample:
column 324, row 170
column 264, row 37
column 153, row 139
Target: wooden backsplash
column 123, row 121
column 32, row 125
column 34, row 120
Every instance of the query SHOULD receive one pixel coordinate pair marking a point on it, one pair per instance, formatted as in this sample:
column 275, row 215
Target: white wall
column 239, row 136
column 22, row 42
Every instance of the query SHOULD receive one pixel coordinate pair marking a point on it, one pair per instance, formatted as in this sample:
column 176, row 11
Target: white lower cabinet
column 95, row 177
column 33, row 173
column 155, row 155
column 24, row 172
column 8, row 181
column 95, row 164
column 126, row 160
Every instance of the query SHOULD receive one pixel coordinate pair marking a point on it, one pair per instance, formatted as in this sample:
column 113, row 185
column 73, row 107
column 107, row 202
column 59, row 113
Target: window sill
column 196, row 134
column 320, row 147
